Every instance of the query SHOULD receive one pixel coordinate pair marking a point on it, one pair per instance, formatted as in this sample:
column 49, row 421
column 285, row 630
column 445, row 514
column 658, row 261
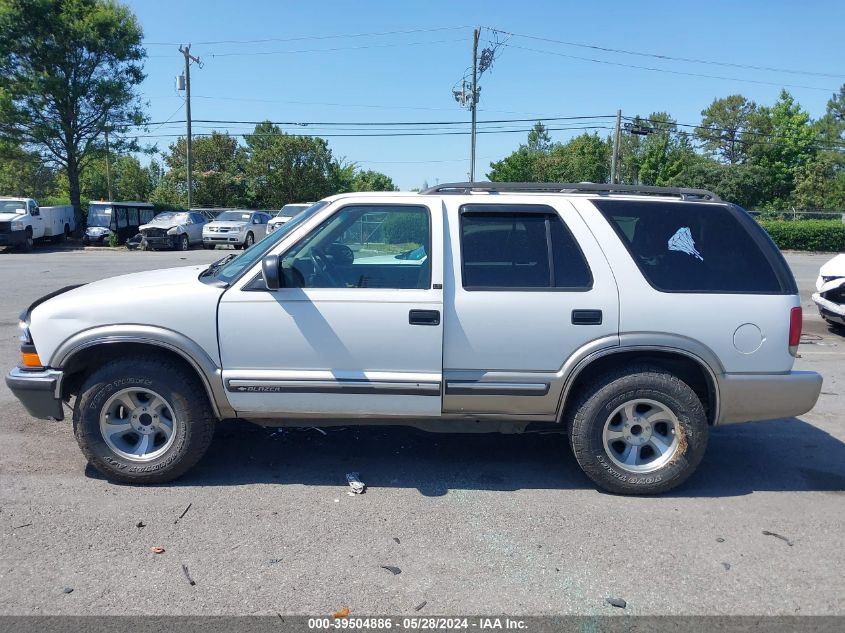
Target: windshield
column 99, row 215
column 170, row 217
column 290, row 210
column 11, row 206
column 233, row 216
column 255, row 252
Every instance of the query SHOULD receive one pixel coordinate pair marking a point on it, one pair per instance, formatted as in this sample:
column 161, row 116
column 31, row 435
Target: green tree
column 129, row 180
column 659, row 157
column 65, row 66
column 219, row 172
column 723, row 123
column 781, row 139
column 23, row 173
column 522, row 165
column 372, row 181
column 585, row 158
column 820, row 183
column 282, row 168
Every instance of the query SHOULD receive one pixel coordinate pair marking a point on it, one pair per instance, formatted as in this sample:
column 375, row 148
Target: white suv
column 286, row 213
column 631, row 318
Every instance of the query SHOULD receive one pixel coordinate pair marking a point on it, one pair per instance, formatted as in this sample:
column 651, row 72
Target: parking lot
column 476, row 523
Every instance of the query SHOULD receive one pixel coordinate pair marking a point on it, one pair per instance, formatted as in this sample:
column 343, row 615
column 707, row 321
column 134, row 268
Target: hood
column 158, row 225
column 172, row 298
column 8, row 217
column 834, row 268
column 278, row 220
column 834, row 272
column 233, row 224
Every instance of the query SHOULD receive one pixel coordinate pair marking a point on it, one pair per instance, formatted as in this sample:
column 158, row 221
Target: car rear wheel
column 640, row 430
column 142, row 421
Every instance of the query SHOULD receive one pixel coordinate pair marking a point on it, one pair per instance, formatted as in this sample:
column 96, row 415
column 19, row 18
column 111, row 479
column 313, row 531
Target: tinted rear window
column 698, row 247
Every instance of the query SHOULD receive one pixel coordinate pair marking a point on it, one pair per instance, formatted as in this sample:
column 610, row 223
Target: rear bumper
column 38, row 391
column 751, row 397
column 12, row 238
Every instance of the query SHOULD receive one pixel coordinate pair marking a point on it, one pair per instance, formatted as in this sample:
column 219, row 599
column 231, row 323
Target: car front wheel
column 640, row 430
column 142, row 421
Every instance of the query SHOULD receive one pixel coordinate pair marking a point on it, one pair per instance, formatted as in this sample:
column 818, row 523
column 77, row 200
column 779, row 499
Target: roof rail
column 572, row 187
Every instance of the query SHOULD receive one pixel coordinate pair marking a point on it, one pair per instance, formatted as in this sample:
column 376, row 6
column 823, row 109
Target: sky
column 378, row 62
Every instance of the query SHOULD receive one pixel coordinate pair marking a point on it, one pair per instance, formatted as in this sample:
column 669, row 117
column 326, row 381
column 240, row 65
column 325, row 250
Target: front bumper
column 12, row 238
column 752, row 397
column 38, row 391
column 94, row 239
column 223, row 238
column 166, row 241
column 834, row 312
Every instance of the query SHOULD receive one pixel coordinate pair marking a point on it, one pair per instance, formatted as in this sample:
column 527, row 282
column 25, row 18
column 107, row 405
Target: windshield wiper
column 213, row 268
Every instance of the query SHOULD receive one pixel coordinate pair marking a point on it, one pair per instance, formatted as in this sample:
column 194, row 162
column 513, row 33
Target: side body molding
column 190, row 350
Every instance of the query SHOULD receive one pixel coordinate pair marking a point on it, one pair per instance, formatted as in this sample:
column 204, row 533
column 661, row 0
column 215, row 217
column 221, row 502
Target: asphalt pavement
column 476, row 523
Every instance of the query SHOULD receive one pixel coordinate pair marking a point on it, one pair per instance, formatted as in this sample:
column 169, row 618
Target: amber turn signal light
column 30, row 359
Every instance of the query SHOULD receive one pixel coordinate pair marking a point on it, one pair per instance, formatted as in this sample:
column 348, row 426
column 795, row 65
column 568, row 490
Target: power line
column 332, row 50
column 316, row 37
column 691, row 60
column 740, row 133
column 390, row 134
column 379, row 123
column 666, row 70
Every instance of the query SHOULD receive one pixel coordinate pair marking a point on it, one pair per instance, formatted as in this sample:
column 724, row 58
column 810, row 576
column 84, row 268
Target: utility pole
column 108, row 160
column 614, row 161
column 186, row 51
column 474, row 101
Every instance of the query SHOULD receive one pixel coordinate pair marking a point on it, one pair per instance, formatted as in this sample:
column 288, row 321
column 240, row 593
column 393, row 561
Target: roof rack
column 572, row 187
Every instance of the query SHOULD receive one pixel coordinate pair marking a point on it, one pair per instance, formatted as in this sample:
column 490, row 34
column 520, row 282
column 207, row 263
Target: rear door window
column 519, row 247
column 698, row 247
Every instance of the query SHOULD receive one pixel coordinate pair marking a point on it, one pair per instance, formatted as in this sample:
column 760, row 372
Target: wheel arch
column 94, row 347
column 691, row 367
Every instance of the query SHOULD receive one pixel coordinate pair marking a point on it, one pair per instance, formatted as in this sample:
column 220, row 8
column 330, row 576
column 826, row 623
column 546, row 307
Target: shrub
column 806, row 235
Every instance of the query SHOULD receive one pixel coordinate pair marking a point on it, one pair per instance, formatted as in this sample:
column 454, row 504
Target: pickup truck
column 633, row 319
column 22, row 222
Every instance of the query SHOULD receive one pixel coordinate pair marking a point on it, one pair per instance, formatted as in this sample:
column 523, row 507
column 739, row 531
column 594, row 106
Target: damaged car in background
column 830, row 298
column 174, row 229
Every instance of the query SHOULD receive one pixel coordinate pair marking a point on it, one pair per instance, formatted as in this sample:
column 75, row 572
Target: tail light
column 795, row 319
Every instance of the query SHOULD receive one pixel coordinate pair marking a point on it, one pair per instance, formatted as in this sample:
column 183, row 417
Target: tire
column 164, row 457
column 249, row 240
column 183, row 244
column 28, row 243
column 603, row 431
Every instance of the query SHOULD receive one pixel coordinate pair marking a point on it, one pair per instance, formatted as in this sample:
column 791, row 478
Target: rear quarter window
column 698, row 247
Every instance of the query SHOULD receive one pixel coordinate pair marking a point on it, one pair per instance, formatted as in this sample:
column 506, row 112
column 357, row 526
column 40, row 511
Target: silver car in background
column 239, row 228
column 174, row 229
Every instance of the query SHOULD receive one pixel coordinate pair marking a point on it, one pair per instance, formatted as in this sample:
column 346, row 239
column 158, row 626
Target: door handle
column 424, row 317
column 586, row 317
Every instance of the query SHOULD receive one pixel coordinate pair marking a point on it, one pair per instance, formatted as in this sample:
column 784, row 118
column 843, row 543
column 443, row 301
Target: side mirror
column 270, row 271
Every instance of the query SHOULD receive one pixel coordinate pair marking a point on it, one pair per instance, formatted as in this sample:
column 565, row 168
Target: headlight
column 173, row 231
column 18, row 226
column 26, row 337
